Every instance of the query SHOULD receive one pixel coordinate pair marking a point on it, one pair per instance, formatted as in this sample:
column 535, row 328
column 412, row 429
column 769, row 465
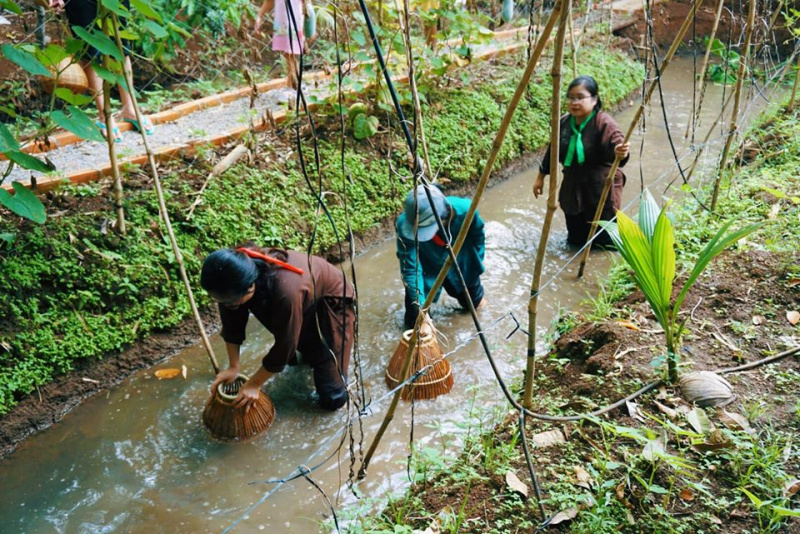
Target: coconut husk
column 438, row 380
column 67, row 74
column 228, row 423
column 704, row 388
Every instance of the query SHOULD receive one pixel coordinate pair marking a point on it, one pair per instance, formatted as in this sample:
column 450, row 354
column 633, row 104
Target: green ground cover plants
column 73, row 291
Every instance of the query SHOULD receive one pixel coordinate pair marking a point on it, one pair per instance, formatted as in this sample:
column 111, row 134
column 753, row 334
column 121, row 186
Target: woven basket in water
column 705, row 388
column 438, row 380
column 228, row 423
column 66, row 74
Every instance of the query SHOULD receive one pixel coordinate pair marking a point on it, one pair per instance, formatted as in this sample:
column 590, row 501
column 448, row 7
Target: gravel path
column 201, row 124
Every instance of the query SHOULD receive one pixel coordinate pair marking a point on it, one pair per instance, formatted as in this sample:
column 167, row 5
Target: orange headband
column 269, row 259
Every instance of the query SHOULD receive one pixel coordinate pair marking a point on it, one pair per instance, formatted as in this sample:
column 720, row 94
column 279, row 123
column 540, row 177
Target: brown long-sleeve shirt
column 582, row 185
column 288, row 310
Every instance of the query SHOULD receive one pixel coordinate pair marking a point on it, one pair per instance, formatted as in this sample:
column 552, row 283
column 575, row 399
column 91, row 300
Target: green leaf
column 699, row 421
column 24, row 203
column 714, row 247
column 756, row 501
column 639, row 256
column 144, row 7
column 7, row 141
column 785, row 512
column 10, row 6
column 52, row 55
column 156, row 29
column 75, row 99
column 663, row 244
column 7, row 237
column 78, row 123
column 26, row 60
column 113, row 77
column 100, row 41
column 364, row 126
column 116, row 7
column 176, row 28
column 648, row 214
column 27, row 161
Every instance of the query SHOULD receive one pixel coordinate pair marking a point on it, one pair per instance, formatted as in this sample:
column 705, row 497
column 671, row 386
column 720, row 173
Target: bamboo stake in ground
column 751, row 20
column 703, row 81
column 112, row 151
column 162, row 206
column 462, row 235
column 794, row 87
column 555, row 137
column 634, row 122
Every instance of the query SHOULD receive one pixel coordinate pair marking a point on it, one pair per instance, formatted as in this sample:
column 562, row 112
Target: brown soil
column 598, row 362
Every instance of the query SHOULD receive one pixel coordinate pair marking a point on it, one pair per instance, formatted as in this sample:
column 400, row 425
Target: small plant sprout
column 649, row 249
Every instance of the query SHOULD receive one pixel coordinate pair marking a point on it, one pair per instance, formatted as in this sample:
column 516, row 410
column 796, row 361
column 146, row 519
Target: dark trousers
column 330, row 357
column 474, row 293
column 578, row 227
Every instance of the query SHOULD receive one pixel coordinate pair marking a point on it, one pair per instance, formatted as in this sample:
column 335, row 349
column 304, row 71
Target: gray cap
column 426, row 227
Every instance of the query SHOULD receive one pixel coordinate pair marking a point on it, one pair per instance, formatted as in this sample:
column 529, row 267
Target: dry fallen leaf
column 686, row 494
column 513, row 482
column 583, row 478
column 565, row 515
column 792, row 282
column 164, row 374
column 734, row 421
column 184, row 371
column 549, row 438
column 793, row 317
column 666, row 410
column 758, row 320
column 791, row 488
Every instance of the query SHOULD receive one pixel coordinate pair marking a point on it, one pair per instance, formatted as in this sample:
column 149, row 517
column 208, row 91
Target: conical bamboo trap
column 228, row 423
column 438, row 380
column 67, row 74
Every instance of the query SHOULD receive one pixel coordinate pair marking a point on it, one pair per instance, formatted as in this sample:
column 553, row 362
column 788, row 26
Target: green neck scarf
column 576, row 141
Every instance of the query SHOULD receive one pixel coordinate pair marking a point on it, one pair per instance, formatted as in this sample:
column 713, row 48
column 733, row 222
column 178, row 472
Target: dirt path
column 200, row 126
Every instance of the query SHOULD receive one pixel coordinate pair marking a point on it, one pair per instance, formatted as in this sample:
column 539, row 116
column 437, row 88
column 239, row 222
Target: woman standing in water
column 590, row 141
column 307, row 304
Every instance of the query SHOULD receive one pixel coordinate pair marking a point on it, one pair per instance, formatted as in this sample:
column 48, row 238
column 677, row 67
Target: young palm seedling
column 649, row 249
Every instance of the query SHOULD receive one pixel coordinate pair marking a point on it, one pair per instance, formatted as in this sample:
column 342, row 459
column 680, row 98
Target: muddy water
column 137, row 459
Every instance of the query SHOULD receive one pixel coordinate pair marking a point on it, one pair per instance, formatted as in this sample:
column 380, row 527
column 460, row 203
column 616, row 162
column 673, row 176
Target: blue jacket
column 418, row 276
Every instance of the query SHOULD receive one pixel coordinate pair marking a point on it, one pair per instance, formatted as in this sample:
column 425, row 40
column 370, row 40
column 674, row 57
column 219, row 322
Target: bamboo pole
column 573, row 51
column 412, row 82
column 794, row 87
column 703, row 81
column 634, row 122
column 112, row 150
column 484, row 179
column 751, row 20
column 162, row 206
column 555, row 139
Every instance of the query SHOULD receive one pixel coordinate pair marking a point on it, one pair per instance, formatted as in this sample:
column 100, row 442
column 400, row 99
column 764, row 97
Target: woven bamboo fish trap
column 67, row 74
column 228, row 423
column 438, row 379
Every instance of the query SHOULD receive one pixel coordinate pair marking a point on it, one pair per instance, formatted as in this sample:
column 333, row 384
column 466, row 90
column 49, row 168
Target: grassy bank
column 73, row 290
column 657, row 465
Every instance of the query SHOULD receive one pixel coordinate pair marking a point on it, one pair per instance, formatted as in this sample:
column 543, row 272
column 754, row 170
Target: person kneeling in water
column 305, row 302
